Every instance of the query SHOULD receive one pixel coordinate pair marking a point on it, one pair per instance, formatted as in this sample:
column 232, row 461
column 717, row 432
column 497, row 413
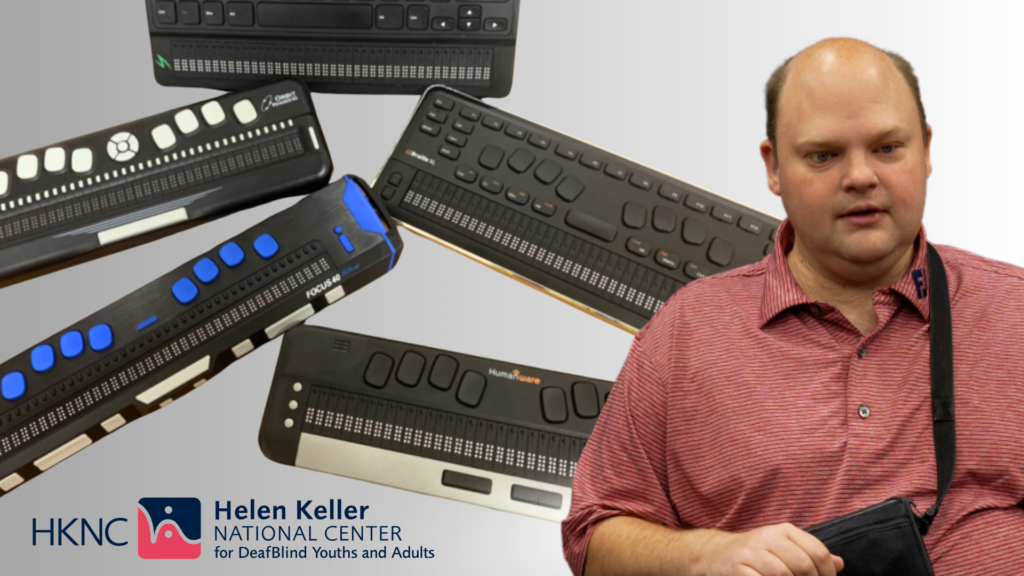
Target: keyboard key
column 772, row 235
column 410, row 369
column 720, row 252
column 667, row 259
column 493, row 122
column 185, row 291
column 442, row 375
column 750, row 225
column 641, row 181
column 469, row 482
column 101, row 337
column 449, row 152
column 544, row 208
column 471, row 114
column 378, row 370
column 72, row 344
column 231, row 254
column 517, row 132
column 697, row 203
column 521, row 160
column 634, row 215
column 495, row 24
column 189, row 12
column 638, row 247
column 670, row 193
column 266, row 246
column 43, row 358
column 395, row 179
column 240, row 14
column 28, row 166
column 540, row 141
column 616, row 171
column 470, row 11
column 529, row 495
column 492, row 185
column 585, row 400
column 471, row 388
column 346, row 243
column 548, row 171
column 55, row 159
column 437, row 116
column 418, row 18
column 591, row 161
column 165, row 12
column 456, row 139
column 469, row 25
column 491, row 157
column 591, row 225
column 212, row 113
column 463, row 126
column 518, row 197
column 163, row 137
column 694, row 231
column 725, row 214
column 186, row 121
column 388, row 193
column 390, row 17
column 213, row 13
column 443, row 24
column 244, row 111
column 566, row 151
column 13, row 385
column 695, row 271
column 466, row 174
column 444, row 103
column 206, row 270
column 569, row 189
column 81, row 160
column 430, row 128
column 5, row 183
column 664, row 219
column 553, row 405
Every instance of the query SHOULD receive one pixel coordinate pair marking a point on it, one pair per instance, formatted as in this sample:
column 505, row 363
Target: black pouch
column 886, row 539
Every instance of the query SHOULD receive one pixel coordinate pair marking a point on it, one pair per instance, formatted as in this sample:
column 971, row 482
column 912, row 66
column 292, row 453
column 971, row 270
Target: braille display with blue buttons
column 159, row 342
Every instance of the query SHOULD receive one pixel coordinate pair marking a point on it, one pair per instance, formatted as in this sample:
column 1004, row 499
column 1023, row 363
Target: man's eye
column 821, row 157
column 887, row 149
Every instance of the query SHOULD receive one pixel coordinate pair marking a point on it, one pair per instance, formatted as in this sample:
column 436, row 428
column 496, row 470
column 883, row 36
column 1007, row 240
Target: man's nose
column 860, row 175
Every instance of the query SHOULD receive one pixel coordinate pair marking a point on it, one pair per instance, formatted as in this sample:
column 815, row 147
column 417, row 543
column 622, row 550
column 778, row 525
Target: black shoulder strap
column 943, row 423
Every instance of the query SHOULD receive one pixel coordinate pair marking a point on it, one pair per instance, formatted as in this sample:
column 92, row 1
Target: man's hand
column 777, row 550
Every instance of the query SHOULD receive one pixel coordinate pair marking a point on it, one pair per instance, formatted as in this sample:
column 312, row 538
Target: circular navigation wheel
column 122, row 147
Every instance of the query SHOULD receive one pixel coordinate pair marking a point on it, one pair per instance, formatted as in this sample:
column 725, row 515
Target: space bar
column 278, row 15
column 591, row 225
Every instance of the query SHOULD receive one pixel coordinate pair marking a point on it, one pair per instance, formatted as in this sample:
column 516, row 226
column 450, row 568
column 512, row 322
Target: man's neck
column 849, row 286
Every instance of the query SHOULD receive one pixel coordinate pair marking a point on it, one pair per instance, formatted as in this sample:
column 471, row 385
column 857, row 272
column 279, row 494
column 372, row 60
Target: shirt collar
column 781, row 291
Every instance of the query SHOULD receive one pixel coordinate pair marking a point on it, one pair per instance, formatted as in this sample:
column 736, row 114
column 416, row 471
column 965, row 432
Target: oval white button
column 81, row 160
column 55, row 159
column 28, row 166
column 4, row 183
column 212, row 113
column 163, row 137
column 245, row 111
column 186, row 121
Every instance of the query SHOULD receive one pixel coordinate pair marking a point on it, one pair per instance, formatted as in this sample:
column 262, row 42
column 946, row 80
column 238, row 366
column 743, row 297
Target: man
column 795, row 390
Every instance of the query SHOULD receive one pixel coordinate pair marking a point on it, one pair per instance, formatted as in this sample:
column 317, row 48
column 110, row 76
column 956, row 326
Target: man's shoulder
column 972, row 271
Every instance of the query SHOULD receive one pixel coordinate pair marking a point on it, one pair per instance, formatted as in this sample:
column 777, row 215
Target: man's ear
column 928, row 149
column 771, row 166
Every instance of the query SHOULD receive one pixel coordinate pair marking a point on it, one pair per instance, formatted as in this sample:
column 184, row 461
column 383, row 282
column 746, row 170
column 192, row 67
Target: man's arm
column 624, row 546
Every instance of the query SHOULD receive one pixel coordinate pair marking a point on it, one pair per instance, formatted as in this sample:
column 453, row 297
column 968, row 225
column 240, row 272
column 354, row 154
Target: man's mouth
column 863, row 214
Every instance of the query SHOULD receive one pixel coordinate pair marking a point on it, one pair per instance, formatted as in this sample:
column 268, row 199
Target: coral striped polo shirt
column 743, row 403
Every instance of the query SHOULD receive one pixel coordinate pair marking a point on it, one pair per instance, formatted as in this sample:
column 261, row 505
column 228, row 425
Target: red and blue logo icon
column 169, row 528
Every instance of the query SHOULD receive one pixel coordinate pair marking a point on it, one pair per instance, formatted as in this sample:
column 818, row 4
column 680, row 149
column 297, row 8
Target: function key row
column 44, row 357
column 185, row 290
column 124, row 146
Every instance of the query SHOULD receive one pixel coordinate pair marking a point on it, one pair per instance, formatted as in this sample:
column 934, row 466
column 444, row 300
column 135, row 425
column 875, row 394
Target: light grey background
column 674, row 84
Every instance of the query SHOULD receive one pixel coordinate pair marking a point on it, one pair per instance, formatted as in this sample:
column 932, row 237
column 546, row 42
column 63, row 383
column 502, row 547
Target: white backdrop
column 674, row 84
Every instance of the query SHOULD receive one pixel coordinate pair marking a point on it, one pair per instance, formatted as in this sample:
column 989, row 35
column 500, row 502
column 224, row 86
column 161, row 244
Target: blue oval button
column 265, row 246
column 231, row 254
column 185, row 291
column 72, row 344
column 206, row 270
column 101, row 337
column 13, row 385
column 42, row 358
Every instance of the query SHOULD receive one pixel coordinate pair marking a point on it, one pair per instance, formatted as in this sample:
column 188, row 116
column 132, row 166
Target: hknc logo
column 169, row 528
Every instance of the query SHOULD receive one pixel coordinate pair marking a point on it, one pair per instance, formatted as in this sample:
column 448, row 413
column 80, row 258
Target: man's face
column 850, row 161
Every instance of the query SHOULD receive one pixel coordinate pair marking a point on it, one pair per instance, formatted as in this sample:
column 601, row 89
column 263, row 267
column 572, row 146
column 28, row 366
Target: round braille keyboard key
column 585, row 400
column 28, row 166
column 13, row 385
column 81, row 160
column 185, row 291
column 378, row 370
column 5, row 182
column 231, row 254
column 101, row 337
column 43, row 358
column 72, row 344
column 411, row 368
column 213, row 113
column 442, row 375
column 265, row 246
column 471, row 388
column 163, row 136
column 694, row 231
column 186, row 121
column 206, row 270
column 55, row 159
column 553, row 405
column 244, row 111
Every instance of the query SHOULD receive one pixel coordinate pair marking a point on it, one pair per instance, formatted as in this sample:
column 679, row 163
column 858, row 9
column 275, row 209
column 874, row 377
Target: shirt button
column 864, row 411
column 862, row 352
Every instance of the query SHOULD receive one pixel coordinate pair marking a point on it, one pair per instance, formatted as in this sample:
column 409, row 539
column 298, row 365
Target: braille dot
column 168, row 510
